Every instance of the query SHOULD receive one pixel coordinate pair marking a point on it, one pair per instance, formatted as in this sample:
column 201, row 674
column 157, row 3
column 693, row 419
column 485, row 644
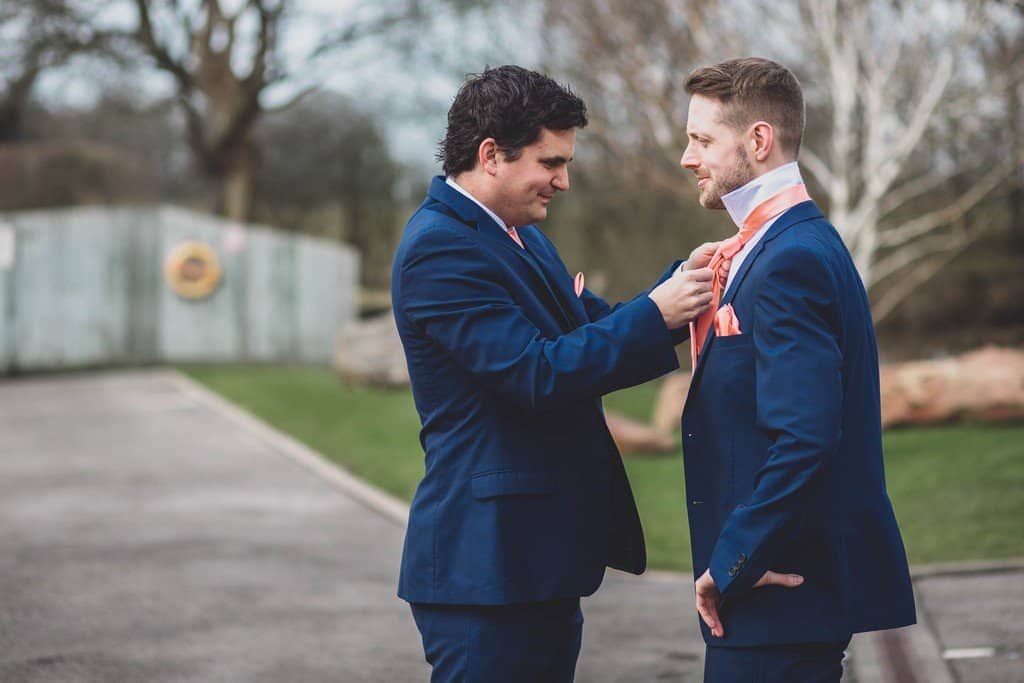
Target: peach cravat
column 722, row 259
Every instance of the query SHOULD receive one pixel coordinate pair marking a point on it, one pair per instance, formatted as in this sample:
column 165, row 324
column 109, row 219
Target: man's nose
column 689, row 159
column 561, row 180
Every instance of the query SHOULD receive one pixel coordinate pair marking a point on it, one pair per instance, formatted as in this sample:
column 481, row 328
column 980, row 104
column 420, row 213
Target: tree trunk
column 14, row 104
column 10, row 122
column 235, row 182
column 1016, row 196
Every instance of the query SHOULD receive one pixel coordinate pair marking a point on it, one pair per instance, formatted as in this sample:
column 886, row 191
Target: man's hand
column 701, row 256
column 776, row 579
column 682, row 297
column 708, row 597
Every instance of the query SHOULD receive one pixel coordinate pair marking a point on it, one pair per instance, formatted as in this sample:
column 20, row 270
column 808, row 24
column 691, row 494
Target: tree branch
column 158, row 51
column 359, row 29
column 898, row 261
column 898, row 196
column 933, row 220
column 817, row 167
column 292, row 101
column 918, row 276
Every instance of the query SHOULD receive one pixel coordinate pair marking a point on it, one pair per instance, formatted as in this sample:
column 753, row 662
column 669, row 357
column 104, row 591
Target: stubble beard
column 738, row 175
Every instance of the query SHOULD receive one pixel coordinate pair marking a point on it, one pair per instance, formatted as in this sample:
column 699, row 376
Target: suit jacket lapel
column 500, row 238
column 558, row 282
column 737, row 279
column 797, row 214
column 472, row 214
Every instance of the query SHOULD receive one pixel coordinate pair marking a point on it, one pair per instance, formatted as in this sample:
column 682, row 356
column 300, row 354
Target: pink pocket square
column 577, row 284
column 726, row 322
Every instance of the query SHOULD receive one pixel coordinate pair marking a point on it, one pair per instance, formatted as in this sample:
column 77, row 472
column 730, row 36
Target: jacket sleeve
column 799, row 402
column 680, row 334
column 597, row 308
column 452, row 290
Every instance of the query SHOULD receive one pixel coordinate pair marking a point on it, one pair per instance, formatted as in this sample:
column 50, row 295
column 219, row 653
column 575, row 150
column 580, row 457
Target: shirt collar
column 744, row 199
column 451, row 181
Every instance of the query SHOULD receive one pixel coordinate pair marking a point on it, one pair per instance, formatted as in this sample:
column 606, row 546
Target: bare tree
column 221, row 63
column 891, row 74
column 883, row 78
column 224, row 62
column 36, row 35
column 1003, row 56
column 326, row 170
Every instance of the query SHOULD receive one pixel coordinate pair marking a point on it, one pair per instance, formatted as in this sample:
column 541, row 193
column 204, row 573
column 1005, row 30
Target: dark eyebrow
column 557, row 161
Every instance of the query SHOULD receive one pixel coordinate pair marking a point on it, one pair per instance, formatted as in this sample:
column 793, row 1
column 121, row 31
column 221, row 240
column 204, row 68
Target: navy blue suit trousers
column 536, row 642
column 813, row 663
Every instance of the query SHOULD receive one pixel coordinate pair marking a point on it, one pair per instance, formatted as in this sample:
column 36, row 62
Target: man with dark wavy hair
column 524, row 501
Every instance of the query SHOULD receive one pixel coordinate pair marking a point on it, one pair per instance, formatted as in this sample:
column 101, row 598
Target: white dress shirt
column 451, row 181
column 743, row 200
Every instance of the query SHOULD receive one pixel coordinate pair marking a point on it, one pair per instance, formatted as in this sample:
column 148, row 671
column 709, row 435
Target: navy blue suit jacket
column 524, row 497
column 782, row 444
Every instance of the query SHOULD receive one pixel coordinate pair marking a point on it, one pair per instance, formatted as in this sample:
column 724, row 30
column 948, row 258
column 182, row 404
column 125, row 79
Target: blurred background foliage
column 322, row 118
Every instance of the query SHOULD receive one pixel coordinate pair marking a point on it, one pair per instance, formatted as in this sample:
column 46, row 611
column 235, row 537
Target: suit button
column 743, row 558
column 733, row 571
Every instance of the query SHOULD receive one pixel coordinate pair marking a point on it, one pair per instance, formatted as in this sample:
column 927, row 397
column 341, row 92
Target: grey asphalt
column 147, row 534
column 978, row 608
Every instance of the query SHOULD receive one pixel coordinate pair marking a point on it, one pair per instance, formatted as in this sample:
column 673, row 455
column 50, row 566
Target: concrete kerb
column 336, row 476
column 1007, row 566
column 915, row 654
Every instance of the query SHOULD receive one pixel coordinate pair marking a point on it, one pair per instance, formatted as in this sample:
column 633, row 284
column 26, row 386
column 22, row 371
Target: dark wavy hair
column 510, row 104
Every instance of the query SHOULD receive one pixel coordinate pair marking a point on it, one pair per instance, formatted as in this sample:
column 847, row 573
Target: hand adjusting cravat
column 722, row 259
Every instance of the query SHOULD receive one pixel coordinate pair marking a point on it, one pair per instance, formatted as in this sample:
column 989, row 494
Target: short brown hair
column 754, row 89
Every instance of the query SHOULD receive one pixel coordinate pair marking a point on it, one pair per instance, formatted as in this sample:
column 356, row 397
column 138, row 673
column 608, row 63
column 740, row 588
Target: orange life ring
column 193, row 270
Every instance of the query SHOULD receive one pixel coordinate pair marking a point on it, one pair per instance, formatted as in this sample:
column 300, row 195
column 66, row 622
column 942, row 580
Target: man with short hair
column 525, row 500
column 795, row 545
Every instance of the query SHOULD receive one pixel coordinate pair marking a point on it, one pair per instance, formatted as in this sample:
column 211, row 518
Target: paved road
column 976, row 611
column 146, row 534
column 147, row 538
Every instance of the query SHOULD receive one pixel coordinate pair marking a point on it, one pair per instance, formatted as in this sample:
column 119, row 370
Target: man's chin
column 710, row 201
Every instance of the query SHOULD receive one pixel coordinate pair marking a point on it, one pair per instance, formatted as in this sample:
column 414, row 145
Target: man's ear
column 487, row 156
column 762, row 140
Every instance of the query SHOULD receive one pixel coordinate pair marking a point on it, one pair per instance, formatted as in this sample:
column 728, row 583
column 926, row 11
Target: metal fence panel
column 85, row 287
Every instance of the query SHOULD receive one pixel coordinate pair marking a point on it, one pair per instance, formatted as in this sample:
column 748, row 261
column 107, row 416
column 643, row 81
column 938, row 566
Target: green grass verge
column 958, row 491
column 371, row 433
